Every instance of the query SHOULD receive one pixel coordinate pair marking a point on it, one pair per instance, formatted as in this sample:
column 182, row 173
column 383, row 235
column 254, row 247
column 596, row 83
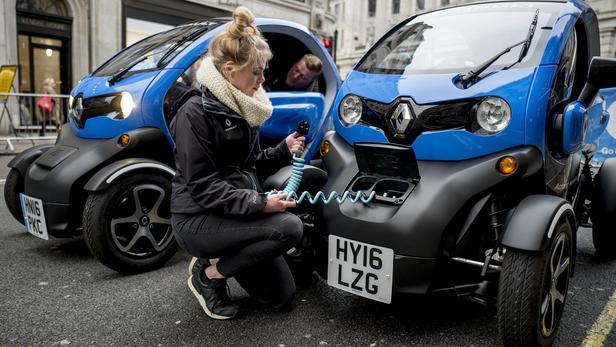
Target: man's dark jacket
column 217, row 157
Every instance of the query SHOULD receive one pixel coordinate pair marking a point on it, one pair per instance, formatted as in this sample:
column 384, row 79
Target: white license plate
column 34, row 216
column 360, row 268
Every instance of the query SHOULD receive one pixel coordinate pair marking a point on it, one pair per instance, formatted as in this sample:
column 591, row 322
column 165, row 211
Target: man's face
column 299, row 75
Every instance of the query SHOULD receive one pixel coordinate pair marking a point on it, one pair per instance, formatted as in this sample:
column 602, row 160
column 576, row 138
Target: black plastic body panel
column 58, row 177
column 22, row 161
column 530, row 226
column 415, row 228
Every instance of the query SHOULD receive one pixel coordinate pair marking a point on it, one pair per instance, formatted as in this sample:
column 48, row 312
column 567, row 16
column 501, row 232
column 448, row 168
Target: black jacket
column 217, row 157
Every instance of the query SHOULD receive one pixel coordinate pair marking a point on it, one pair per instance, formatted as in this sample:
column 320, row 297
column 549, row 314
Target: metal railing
column 30, row 116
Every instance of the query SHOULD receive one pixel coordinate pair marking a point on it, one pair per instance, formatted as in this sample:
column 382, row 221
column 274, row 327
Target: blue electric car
column 108, row 175
column 471, row 125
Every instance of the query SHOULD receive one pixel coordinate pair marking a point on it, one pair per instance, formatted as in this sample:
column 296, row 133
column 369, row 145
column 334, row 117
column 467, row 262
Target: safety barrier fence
column 32, row 116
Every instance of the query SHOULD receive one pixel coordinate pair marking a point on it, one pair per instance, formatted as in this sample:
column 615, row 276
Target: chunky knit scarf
column 255, row 110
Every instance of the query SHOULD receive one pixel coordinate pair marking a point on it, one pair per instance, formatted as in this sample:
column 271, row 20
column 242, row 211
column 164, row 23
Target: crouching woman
column 219, row 212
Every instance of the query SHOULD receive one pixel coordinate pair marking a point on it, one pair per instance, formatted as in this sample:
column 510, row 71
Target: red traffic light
column 326, row 42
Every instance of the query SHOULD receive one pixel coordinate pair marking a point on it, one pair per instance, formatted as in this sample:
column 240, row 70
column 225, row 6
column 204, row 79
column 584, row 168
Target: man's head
column 304, row 71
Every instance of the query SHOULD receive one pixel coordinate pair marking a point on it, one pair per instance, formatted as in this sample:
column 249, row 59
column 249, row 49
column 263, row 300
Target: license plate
column 360, row 268
column 34, row 216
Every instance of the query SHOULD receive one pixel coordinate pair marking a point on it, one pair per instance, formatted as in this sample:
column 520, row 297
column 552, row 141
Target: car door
column 293, row 107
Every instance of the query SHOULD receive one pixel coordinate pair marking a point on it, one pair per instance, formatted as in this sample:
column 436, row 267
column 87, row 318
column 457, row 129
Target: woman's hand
column 295, row 143
column 276, row 203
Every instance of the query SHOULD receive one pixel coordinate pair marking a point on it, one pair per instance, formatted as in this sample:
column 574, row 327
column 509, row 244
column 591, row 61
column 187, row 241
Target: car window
column 155, row 51
column 461, row 38
column 565, row 74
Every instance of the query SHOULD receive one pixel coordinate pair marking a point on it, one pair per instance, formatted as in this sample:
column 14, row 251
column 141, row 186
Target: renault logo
column 78, row 110
column 401, row 120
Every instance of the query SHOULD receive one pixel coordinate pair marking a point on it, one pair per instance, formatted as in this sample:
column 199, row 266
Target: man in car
column 302, row 76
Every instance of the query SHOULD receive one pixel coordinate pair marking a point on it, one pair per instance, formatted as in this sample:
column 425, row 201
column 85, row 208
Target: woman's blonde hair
column 241, row 42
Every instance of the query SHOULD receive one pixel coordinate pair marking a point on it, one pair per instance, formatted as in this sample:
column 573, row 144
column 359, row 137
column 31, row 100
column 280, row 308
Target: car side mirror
column 601, row 74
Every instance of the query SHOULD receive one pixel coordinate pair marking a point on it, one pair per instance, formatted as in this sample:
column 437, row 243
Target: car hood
column 512, row 85
column 436, row 88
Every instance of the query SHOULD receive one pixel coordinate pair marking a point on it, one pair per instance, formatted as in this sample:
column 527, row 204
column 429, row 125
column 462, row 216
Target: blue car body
column 149, row 88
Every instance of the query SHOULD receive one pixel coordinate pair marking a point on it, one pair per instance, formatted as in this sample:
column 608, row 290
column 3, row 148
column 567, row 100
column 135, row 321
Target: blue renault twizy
column 108, row 175
column 469, row 124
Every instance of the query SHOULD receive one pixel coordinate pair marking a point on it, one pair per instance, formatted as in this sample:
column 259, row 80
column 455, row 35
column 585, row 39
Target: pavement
column 23, row 142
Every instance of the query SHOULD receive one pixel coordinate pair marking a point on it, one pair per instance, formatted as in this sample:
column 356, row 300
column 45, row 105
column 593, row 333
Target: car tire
column 14, row 185
column 532, row 291
column 603, row 209
column 127, row 227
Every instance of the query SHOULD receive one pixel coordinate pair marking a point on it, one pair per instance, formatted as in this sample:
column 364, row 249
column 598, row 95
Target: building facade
column 361, row 22
column 67, row 39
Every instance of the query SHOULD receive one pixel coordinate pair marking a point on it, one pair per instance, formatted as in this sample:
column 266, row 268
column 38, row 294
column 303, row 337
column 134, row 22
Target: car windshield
column 155, row 51
column 461, row 38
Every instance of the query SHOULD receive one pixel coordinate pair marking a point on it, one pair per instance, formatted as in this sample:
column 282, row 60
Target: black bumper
column 57, row 177
column 414, row 228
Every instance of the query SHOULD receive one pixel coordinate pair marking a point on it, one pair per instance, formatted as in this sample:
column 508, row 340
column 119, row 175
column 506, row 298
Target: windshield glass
column 156, row 50
column 461, row 38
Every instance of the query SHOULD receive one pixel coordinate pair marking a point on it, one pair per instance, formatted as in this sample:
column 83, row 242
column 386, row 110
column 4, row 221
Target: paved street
column 55, row 293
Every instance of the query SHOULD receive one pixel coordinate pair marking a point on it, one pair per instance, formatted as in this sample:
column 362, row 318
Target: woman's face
column 248, row 79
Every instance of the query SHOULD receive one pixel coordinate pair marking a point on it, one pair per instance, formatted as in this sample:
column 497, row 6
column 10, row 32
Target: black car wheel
column 127, row 227
column 604, row 209
column 12, row 187
column 533, row 291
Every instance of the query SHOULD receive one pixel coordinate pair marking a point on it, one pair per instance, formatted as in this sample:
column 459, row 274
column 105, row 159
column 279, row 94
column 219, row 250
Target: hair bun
column 242, row 23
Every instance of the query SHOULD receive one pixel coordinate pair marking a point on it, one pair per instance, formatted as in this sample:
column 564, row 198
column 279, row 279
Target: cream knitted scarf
column 255, row 110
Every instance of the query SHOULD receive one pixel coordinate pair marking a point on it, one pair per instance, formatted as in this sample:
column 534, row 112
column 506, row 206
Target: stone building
column 361, row 22
column 67, row 39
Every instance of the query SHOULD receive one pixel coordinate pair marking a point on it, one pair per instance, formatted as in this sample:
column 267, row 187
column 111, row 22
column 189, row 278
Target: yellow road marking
column 595, row 337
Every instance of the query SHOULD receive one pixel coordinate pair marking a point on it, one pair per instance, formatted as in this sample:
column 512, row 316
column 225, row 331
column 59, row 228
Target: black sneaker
column 197, row 265
column 213, row 297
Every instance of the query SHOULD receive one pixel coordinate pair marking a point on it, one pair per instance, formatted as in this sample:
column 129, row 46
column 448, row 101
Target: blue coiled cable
column 296, row 178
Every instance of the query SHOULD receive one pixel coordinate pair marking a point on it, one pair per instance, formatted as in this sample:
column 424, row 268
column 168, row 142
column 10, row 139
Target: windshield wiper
column 175, row 46
column 118, row 75
column 472, row 76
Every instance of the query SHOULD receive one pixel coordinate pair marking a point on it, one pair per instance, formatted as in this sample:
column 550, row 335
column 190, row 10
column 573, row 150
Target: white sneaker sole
column 191, row 265
column 202, row 302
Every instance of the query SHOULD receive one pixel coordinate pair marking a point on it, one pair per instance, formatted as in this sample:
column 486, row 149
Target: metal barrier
column 40, row 116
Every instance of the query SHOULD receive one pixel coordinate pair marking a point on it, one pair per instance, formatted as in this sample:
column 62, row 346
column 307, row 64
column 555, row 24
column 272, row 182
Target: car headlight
column 350, row 110
column 126, row 104
column 492, row 115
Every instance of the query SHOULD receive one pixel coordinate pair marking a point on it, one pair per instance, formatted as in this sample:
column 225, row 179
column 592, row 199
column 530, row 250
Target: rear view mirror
column 601, row 74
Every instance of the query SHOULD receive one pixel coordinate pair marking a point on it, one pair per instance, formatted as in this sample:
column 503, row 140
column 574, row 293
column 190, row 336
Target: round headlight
column 350, row 110
column 127, row 104
column 493, row 115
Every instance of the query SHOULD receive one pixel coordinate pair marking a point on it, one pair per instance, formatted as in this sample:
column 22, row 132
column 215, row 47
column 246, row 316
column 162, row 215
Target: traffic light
column 328, row 42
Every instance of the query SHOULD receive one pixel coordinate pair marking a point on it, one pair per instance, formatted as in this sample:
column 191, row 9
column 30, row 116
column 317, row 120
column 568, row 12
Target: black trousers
column 250, row 249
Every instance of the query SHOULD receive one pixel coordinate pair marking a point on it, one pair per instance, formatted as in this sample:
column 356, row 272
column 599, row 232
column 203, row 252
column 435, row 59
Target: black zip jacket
column 217, row 157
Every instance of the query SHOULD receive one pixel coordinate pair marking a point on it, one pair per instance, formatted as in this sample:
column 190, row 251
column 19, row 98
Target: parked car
column 471, row 125
column 108, row 175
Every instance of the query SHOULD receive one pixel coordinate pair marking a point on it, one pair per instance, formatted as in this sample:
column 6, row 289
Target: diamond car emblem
column 78, row 110
column 401, row 120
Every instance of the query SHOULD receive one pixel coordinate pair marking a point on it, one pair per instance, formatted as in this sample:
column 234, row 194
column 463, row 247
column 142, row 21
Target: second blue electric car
column 108, row 175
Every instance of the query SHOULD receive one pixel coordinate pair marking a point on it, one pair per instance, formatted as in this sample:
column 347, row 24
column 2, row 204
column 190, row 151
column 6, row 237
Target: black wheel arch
column 117, row 169
column 530, row 225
